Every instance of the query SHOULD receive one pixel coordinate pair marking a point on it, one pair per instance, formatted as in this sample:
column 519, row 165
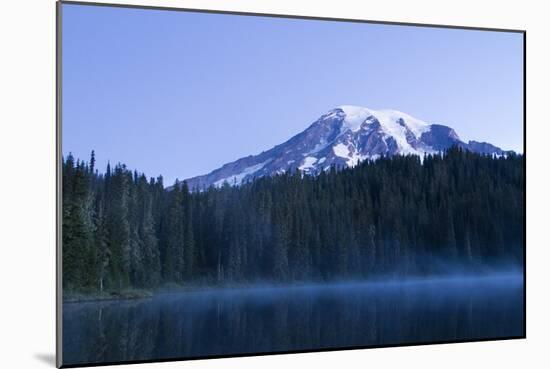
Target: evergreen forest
column 396, row 216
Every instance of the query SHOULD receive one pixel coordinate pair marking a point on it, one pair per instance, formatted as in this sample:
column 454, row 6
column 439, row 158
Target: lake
column 278, row 319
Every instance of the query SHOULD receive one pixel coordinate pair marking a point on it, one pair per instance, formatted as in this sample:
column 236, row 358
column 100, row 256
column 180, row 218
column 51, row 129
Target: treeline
column 397, row 215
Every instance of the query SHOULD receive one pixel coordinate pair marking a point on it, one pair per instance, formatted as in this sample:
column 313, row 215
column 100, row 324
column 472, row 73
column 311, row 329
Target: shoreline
column 76, row 297
column 139, row 294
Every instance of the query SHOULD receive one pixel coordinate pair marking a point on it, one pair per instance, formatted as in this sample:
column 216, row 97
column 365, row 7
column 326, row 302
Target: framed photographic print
column 242, row 184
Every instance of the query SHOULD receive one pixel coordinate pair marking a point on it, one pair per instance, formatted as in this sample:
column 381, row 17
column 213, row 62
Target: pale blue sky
column 180, row 94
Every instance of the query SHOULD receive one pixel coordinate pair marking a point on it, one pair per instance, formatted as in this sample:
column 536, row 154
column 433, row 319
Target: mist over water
column 264, row 318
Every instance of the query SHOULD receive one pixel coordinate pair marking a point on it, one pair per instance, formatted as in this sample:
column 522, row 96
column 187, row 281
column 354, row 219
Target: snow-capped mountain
column 344, row 136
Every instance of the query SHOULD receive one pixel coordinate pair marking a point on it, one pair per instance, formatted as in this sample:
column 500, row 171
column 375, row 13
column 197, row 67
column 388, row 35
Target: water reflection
column 226, row 322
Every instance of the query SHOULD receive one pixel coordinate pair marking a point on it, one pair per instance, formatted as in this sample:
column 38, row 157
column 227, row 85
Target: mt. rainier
column 344, row 136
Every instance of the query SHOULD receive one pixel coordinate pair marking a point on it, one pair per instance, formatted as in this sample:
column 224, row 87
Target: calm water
column 223, row 322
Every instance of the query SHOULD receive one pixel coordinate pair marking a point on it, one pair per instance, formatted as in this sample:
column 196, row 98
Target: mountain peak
column 403, row 128
column 343, row 137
